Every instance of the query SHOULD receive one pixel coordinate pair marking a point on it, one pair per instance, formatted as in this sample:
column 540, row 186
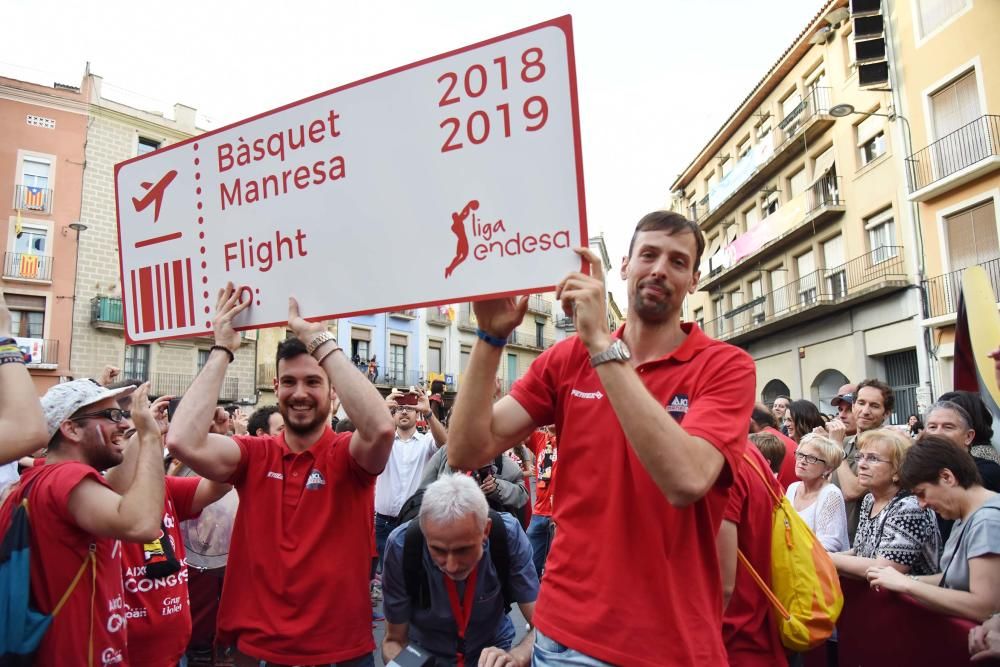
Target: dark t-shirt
column 990, row 472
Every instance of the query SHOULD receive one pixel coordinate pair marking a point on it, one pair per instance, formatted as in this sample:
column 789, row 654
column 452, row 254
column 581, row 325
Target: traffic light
column 869, row 43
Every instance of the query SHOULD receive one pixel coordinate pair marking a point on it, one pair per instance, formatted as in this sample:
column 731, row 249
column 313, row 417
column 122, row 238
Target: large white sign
column 455, row 178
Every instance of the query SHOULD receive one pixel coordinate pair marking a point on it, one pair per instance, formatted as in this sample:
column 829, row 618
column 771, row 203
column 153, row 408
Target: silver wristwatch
column 617, row 351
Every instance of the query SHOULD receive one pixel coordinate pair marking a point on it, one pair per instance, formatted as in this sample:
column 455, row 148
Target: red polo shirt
column 786, row 475
column 545, row 467
column 631, row 579
column 748, row 627
column 159, row 612
column 296, row 586
column 58, row 548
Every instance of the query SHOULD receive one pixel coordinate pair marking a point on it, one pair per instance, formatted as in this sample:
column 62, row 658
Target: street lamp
column 843, row 110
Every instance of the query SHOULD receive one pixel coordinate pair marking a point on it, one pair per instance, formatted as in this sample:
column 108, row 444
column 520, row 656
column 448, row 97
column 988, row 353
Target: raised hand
column 304, row 329
column 227, row 307
column 159, row 410
column 142, row 415
column 499, row 317
column 584, row 298
column 109, row 375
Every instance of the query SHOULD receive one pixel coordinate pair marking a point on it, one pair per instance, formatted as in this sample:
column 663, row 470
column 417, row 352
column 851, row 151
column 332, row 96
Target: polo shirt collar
column 694, row 342
column 314, row 449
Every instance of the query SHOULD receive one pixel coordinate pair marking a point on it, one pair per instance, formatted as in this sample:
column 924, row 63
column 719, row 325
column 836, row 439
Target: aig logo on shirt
column 315, row 481
column 678, row 406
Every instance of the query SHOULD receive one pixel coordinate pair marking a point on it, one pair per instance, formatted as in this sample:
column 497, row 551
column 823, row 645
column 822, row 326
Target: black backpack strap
column 414, row 573
column 500, row 555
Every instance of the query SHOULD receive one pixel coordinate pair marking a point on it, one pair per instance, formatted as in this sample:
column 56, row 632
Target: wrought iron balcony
column 36, row 200
column 175, row 384
column 970, row 144
column 27, row 266
column 531, row 341
column 265, row 376
column 942, row 291
column 565, row 323
column 106, row 313
column 434, row 316
column 407, row 314
column 539, row 304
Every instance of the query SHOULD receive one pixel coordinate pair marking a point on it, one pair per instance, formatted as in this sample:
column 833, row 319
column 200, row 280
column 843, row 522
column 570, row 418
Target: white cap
column 63, row 400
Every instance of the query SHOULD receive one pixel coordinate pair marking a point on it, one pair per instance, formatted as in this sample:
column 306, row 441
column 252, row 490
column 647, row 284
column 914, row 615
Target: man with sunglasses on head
column 77, row 520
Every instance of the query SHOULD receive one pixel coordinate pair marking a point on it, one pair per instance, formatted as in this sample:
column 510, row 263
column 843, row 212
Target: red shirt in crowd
column 58, row 549
column 159, row 612
column 545, row 467
column 296, row 586
column 748, row 627
column 786, row 474
column 631, row 579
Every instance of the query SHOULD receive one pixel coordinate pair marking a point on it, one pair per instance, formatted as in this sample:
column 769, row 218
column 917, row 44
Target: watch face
column 622, row 350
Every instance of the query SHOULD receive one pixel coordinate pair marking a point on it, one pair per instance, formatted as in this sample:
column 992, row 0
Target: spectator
column 501, row 481
column 762, row 419
column 296, row 588
column 819, row 503
column 77, row 520
column 748, row 625
column 894, row 529
column 914, row 425
column 457, row 533
column 844, row 402
column 944, row 478
column 771, row 448
column 541, row 529
column 981, row 422
column 802, row 417
column 266, row 421
column 21, row 420
column 779, row 408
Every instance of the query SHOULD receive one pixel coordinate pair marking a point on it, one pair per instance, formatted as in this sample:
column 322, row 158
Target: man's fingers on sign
column 495, row 657
column 302, row 327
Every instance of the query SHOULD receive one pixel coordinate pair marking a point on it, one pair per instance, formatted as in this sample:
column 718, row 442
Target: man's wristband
column 492, row 340
column 229, row 353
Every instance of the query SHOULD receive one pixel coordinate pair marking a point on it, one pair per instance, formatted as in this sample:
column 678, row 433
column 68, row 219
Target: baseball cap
column 846, row 394
column 63, row 400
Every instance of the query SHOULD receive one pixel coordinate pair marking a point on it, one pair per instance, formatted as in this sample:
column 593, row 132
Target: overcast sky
column 656, row 79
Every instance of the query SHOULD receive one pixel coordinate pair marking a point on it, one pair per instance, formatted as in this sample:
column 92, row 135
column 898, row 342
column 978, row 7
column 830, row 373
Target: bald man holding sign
column 657, row 412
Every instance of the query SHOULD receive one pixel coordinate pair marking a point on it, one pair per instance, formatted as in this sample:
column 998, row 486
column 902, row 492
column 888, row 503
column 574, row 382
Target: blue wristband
column 492, row 340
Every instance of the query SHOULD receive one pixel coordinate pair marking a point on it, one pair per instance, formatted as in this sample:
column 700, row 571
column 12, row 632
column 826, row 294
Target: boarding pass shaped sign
column 455, row 178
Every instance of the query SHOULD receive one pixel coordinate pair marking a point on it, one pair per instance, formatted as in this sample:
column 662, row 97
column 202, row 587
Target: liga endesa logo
column 493, row 239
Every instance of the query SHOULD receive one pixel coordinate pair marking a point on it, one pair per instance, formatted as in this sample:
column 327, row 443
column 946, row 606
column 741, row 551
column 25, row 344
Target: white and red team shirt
column 58, row 548
column 631, row 579
column 296, row 586
column 159, row 611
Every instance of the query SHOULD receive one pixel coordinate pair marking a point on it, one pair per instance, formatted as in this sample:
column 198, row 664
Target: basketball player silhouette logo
column 458, row 227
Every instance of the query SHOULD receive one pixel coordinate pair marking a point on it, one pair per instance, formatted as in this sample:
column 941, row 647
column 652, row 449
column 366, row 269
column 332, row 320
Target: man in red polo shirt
column 762, row 420
column 652, row 423
column 296, row 585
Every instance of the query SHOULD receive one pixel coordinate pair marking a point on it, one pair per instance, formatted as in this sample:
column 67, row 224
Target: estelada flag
column 977, row 333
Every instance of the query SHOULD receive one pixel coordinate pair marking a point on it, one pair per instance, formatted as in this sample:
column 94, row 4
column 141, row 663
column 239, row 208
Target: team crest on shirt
column 316, row 480
column 678, row 406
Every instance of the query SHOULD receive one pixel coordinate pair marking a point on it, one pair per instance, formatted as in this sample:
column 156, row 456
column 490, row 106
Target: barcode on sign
column 163, row 296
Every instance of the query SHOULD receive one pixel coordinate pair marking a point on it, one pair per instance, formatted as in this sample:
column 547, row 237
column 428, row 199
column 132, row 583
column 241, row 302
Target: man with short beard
column 652, row 422
column 296, row 584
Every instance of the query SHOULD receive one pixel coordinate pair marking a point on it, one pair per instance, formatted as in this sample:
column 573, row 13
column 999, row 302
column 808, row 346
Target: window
column 764, row 131
column 147, row 146
column 770, row 204
column 797, row 183
column 972, row 236
column 850, row 57
column 539, row 334
column 463, row 358
column 743, row 147
column 360, row 346
column 511, row 370
column 397, row 360
column 751, row 217
column 699, row 317
column 720, row 321
column 31, row 240
column 203, row 358
column 35, row 172
column 756, row 292
column 806, row 265
column 35, row 189
column 735, row 299
column 816, row 82
column 435, row 357
column 779, row 293
column 955, row 105
column 725, row 166
column 882, row 237
column 826, row 190
column 791, row 113
column 836, row 272
column 902, row 373
column 935, row 13
column 871, row 138
column 136, row 362
column 27, row 315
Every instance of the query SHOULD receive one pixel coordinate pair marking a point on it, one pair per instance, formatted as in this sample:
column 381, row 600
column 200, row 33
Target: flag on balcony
column 977, row 330
column 18, row 229
column 451, row 313
column 29, row 266
column 34, row 198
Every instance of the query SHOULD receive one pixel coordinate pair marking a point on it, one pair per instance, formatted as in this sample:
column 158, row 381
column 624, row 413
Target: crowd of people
column 651, row 498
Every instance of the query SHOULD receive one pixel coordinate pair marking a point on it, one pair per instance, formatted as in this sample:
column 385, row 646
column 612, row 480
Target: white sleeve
column 831, row 519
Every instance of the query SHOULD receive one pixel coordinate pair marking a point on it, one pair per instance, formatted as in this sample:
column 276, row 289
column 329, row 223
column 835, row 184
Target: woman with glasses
column 944, row 478
column 801, row 418
column 819, row 503
column 894, row 529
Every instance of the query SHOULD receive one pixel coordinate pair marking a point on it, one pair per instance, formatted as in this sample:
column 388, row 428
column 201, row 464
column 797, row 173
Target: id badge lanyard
column 461, row 610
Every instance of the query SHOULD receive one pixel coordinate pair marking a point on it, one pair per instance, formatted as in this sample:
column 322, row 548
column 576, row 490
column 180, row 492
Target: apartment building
column 811, row 263
column 949, row 95
column 118, row 132
column 43, row 131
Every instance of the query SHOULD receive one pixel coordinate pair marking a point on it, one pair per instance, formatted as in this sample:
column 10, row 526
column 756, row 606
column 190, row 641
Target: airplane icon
column 155, row 194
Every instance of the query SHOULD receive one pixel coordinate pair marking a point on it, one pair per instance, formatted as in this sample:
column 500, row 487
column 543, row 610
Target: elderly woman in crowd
column 819, row 503
column 894, row 529
column 802, row 417
column 944, row 478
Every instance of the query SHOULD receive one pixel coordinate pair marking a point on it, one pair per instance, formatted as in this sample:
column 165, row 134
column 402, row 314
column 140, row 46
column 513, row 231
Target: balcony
column 265, row 376
column 175, row 384
column 434, row 316
column 36, row 200
column 539, row 304
column 565, row 323
column 106, row 313
column 795, row 220
column 408, row 314
column 27, row 266
column 40, row 353
column 942, row 292
column 803, row 124
column 529, row 341
column 822, row 292
column 956, row 158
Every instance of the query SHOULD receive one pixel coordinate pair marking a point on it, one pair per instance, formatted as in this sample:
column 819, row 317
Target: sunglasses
column 114, row 414
column 402, row 408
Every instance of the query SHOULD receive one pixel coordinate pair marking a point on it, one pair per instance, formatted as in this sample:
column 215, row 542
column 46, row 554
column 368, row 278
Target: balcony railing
column 407, row 314
column 27, row 266
column 816, row 101
column 943, row 291
column 521, row 339
column 434, row 316
column 565, row 323
column 37, row 200
column 953, row 152
column 175, row 384
column 265, row 376
column 39, row 351
column 539, row 304
column 106, row 311
column 823, row 286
